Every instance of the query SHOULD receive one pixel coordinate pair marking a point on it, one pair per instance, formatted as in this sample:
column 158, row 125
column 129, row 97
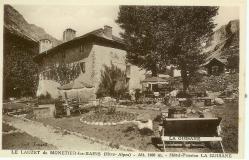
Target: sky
column 83, row 19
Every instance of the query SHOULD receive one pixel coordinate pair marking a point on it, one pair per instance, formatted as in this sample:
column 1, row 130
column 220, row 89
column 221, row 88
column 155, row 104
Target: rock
column 174, row 93
column 65, row 132
column 218, row 101
column 95, row 103
column 212, row 95
column 189, row 110
column 145, row 125
column 143, row 117
column 193, row 111
column 108, row 99
column 159, row 104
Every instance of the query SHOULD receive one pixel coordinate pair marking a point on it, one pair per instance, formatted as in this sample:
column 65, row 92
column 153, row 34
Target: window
column 128, row 70
column 83, row 67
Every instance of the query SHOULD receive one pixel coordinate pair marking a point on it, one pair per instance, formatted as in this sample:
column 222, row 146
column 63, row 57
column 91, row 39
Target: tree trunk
column 154, row 71
column 154, row 74
column 185, row 78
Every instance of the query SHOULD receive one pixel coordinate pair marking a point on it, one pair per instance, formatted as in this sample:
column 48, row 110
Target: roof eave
column 89, row 36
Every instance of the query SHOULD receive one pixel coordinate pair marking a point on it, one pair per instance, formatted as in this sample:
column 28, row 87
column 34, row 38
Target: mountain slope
column 15, row 22
column 224, row 42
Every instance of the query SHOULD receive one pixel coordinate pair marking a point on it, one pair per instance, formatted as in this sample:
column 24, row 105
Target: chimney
column 68, row 34
column 108, row 31
column 44, row 45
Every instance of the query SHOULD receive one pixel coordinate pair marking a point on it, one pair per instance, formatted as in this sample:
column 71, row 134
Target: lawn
column 129, row 135
column 20, row 140
column 126, row 134
column 229, row 125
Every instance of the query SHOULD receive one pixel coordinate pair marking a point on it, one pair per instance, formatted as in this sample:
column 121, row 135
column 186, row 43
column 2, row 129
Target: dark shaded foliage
column 159, row 36
column 113, row 82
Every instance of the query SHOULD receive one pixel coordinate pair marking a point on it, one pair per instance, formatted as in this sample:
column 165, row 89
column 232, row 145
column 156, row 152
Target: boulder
column 143, row 117
column 218, row 101
column 173, row 93
column 159, row 104
column 145, row 125
column 108, row 99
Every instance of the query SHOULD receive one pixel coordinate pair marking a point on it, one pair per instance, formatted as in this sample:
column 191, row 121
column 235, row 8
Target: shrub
column 45, row 99
column 112, row 83
column 146, row 132
column 111, row 110
column 182, row 94
column 158, row 118
column 129, row 129
column 137, row 94
column 188, row 102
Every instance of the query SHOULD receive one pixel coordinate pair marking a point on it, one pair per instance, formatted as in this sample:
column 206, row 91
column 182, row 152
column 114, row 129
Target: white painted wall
column 106, row 56
column 136, row 76
column 48, row 86
column 95, row 58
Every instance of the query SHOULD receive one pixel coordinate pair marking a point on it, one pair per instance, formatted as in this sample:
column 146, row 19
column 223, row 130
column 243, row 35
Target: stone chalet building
column 91, row 51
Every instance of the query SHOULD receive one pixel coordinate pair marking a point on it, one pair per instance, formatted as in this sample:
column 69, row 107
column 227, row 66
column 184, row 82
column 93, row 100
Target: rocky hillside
column 225, row 41
column 15, row 22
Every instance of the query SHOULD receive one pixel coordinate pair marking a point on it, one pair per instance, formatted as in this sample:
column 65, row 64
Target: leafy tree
column 112, row 83
column 157, row 36
column 19, row 71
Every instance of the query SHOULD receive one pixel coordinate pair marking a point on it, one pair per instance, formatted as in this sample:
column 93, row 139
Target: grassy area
column 19, row 140
column 7, row 128
column 126, row 134
column 129, row 135
column 229, row 126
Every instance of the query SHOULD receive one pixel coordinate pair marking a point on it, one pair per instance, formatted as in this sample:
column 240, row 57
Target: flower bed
column 103, row 118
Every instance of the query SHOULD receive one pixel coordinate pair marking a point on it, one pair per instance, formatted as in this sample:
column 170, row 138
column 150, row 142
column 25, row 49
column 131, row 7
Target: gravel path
column 57, row 138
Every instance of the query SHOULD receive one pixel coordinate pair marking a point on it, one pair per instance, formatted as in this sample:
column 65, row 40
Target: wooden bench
column 190, row 130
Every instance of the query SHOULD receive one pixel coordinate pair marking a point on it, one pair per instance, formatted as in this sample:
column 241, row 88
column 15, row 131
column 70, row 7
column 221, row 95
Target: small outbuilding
column 152, row 83
column 215, row 66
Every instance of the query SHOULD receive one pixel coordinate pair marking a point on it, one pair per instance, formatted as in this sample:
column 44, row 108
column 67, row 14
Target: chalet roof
column 18, row 33
column 97, row 34
column 223, row 61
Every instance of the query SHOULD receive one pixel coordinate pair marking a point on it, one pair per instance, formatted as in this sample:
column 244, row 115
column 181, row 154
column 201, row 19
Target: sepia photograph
column 131, row 78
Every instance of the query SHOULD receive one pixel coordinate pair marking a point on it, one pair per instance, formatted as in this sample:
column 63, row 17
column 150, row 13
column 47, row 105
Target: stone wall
column 95, row 57
column 44, row 111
